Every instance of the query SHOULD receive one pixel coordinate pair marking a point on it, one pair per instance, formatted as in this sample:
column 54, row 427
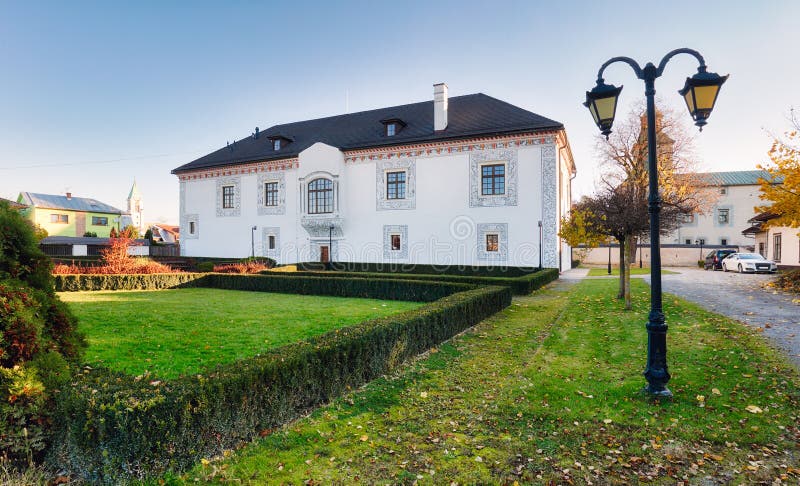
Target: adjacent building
column 733, row 194
column 66, row 215
column 468, row 180
column 780, row 244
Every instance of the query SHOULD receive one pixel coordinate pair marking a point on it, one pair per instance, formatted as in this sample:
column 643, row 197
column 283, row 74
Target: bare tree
column 622, row 197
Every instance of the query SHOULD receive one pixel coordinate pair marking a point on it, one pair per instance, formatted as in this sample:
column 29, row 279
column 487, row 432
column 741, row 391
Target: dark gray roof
column 56, row 201
column 734, row 178
column 85, row 240
column 12, row 204
column 468, row 116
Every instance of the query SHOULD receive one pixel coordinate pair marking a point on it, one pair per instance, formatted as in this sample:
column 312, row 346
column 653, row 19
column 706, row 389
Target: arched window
column 320, row 196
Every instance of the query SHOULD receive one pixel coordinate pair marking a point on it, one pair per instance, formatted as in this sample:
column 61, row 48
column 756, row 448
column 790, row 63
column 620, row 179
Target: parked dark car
column 715, row 257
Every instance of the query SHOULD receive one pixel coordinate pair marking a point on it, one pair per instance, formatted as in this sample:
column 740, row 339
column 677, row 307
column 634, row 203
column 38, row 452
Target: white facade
column 780, row 244
column 443, row 219
column 723, row 222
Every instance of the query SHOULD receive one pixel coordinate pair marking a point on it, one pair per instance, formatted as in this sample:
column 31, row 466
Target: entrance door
column 323, row 254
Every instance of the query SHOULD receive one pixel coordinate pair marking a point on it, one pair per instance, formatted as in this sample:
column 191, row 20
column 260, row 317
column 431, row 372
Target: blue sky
column 95, row 94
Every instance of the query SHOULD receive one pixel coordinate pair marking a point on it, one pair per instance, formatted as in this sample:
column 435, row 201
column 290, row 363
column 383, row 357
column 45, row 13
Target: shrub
column 112, row 426
column 80, row 283
column 789, row 281
column 116, row 260
column 90, row 234
column 412, row 268
column 519, row 285
column 38, row 340
column 243, row 267
column 205, row 267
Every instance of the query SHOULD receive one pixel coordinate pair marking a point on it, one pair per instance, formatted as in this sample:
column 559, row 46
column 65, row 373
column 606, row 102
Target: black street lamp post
column 700, row 242
column 700, row 93
column 609, row 256
column 253, row 241
column 540, row 244
column 330, row 247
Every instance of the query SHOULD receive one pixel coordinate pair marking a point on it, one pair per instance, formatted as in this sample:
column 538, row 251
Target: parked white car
column 748, row 262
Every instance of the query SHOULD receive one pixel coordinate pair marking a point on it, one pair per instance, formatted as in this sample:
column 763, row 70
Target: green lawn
column 602, row 272
column 549, row 391
column 172, row 332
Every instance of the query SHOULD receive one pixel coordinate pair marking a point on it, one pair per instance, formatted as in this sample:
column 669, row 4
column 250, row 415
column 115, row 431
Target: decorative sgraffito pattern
column 182, row 212
column 384, row 166
column 236, row 182
column 550, row 207
column 476, row 160
column 280, row 178
column 388, row 231
column 266, row 232
column 318, row 227
column 185, row 220
column 501, row 230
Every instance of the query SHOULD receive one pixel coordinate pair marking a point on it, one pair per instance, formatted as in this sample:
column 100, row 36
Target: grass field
column 602, row 272
column 549, row 392
column 172, row 332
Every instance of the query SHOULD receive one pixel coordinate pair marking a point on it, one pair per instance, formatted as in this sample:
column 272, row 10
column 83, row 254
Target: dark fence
column 56, row 250
column 165, row 250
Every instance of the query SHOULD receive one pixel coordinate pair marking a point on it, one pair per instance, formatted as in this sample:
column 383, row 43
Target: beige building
column 735, row 194
column 780, row 244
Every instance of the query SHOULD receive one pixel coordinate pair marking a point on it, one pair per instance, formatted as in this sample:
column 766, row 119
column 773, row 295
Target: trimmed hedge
column 519, row 285
column 385, row 287
column 408, row 268
column 154, row 281
column 112, row 426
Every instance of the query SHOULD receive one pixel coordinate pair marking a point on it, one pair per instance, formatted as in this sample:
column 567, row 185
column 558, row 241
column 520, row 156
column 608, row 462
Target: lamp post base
column 663, row 393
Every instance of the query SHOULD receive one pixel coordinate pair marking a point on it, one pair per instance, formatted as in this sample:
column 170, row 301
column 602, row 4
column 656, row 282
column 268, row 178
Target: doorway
column 324, row 254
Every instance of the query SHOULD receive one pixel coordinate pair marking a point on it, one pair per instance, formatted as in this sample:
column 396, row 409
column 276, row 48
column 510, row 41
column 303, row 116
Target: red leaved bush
column 244, row 267
column 116, row 260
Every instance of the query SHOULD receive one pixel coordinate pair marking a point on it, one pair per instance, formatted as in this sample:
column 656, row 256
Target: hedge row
column 154, row 281
column 112, row 427
column 416, row 268
column 519, row 285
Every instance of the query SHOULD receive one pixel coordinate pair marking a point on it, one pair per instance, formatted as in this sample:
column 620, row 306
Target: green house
column 70, row 216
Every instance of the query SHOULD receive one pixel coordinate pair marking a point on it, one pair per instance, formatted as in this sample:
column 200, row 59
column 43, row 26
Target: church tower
column 135, row 207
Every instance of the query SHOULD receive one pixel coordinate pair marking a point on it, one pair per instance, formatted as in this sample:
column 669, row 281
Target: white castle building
column 469, row 180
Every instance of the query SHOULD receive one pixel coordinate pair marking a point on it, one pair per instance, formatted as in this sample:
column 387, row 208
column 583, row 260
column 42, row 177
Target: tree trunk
column 630, row 247
column 622, row 269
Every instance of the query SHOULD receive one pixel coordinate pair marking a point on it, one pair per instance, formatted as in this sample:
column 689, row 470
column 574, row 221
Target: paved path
column 742, row 297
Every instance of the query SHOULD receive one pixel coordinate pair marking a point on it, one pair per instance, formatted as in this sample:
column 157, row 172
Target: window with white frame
column 723, row 216
column 271, row 242
column 276, row 144
column 492, row 242
column 395, row 239
column 493, row 179
column 320, row 196
column 227, row 197
column 271, row 194
column 776, row 247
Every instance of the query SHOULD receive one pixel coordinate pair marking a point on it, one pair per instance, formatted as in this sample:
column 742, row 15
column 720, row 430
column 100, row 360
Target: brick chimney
column 439, row 106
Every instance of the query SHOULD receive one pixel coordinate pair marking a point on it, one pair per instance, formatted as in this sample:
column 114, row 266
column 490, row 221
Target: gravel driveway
column 741, row 297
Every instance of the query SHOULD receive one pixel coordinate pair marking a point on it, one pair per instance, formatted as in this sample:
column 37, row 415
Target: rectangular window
column 493, row 179
column 492, row 243
column 276, row 144
column 688, row 218
column 723, row 241
column 271, row 194
column 723, row 190
column 723, row 216
column 320, row 196
column 390, row 129
column 395, row 242
column 191, row 227
column 761, row 249
column 59, row 218
column 99, row 221
column 396, row 185
column 271, row 242
column 701, row 241
column 688, row 241
column 776, row 247
column 227, row 197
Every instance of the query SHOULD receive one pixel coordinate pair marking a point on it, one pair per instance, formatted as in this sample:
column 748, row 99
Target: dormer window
column 392, row 126
column 279, row 141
